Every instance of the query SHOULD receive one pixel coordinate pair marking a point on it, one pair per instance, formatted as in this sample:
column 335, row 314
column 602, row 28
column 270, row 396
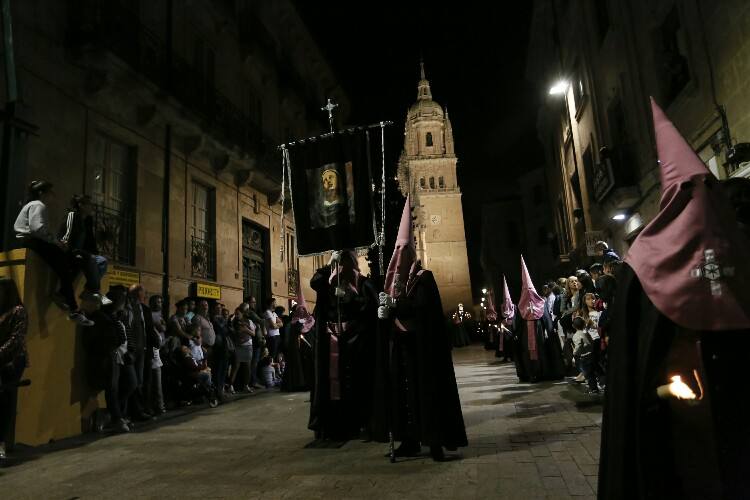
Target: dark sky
column 474, row 58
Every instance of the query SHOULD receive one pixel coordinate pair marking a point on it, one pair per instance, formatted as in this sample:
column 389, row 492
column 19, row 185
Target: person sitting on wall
column 77, row 234
column 607, row 254
column 33, row 232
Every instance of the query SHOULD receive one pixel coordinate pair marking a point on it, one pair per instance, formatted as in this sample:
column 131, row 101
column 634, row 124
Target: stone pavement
column 525, row 441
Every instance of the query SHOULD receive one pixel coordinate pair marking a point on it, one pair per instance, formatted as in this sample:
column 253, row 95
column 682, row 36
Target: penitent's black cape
column 440, row 418
column 549, row 363
column 343, row 419
column 653, row 448
column 294, row 373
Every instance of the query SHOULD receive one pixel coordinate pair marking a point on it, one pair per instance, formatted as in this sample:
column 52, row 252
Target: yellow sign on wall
column 206, row 291
column 123, row 277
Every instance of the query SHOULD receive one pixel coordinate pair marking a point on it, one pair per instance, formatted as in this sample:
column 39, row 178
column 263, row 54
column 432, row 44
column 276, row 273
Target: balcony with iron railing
column 114, row 26
column 203, row 258
column 293, row 278
column 114, row 232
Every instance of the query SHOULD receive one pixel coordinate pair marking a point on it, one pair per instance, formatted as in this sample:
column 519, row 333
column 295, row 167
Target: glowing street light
column 619, row 216
column 559, row 88
column 484, row 290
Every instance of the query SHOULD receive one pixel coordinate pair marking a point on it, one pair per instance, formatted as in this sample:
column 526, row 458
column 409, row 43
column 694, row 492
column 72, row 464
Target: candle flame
column 680, row 389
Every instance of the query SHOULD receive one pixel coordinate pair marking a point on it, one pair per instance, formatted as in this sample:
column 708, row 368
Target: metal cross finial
column 330, row 107
column 712, row 270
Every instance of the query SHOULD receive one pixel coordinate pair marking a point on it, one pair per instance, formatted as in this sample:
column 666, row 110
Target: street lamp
column 559, row 88
column 482, row 299
column 619, row 216
column 484, row 290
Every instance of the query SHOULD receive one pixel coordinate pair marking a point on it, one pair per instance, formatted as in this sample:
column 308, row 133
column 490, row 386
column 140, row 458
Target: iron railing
column 293, row 278
column 203, row 258
column 114, row 232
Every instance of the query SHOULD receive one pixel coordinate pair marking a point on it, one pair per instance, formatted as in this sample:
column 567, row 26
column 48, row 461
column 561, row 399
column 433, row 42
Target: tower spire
column 423, row 89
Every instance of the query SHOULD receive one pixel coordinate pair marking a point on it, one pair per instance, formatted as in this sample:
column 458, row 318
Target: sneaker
column 213, row 403
column 580, row 378
column 231, row 390
column 95, row 297
column 121, row 426
column 80, row 318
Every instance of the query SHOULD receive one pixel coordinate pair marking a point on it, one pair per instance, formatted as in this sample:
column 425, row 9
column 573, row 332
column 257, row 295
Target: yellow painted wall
column 58, row 403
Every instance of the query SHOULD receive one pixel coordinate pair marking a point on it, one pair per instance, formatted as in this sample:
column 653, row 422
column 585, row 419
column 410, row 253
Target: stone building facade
column 596, row 129
column 168, row 113
column 427, row 172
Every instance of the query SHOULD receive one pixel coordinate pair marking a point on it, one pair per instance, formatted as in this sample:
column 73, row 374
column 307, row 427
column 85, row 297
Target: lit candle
column 676, row 389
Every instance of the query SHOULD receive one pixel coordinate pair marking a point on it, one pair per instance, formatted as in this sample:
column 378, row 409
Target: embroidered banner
column 331, row 190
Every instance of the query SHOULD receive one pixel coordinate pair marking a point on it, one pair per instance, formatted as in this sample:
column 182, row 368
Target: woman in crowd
column 568, row 305
column 13, row 325
column 155, row 394
column 221, row 352
column 244, row 331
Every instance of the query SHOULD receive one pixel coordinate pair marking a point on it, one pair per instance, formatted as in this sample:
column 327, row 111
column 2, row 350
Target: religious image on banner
column 331, row 190
column 330, row 206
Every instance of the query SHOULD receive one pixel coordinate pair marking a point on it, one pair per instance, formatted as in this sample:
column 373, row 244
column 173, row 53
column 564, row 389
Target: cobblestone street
column 525, row 441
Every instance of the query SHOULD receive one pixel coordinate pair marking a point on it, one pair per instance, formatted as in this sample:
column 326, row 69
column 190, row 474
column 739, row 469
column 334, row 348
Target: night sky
column 475, row 61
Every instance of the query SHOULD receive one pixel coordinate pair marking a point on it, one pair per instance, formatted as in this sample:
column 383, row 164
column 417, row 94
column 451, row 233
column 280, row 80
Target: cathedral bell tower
column 427, row 171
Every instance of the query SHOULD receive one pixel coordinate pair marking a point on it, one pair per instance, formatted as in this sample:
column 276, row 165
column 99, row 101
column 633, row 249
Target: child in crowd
column 195, row 369
column 196, row 344
column 268, row 370
column 281, row 366
column 583, row 353
column 590, row 311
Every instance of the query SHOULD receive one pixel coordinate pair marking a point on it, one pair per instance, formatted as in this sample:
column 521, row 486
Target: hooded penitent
column 530, row 307
column 508, row 309
column 301, row 314
column 691, row 260
column 404, row 258
column 491, row 312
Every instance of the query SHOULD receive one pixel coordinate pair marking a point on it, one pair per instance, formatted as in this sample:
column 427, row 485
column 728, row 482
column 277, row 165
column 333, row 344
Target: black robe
column 460, row 334
column 549, row 363
column 654, row 448
column 416, row 392
column 294, row 373
column 508, row 347
column 343, row 419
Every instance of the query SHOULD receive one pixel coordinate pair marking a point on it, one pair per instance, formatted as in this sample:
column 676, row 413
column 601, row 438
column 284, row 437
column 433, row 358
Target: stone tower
column 427, row 171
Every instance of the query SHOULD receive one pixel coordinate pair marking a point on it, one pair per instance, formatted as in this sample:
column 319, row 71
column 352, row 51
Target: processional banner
column 331, row 188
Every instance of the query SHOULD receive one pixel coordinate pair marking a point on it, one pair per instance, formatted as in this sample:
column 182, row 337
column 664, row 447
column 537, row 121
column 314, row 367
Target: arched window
column 432, row 183
column 428, row 139
column 422, row 183
column 441, row 182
